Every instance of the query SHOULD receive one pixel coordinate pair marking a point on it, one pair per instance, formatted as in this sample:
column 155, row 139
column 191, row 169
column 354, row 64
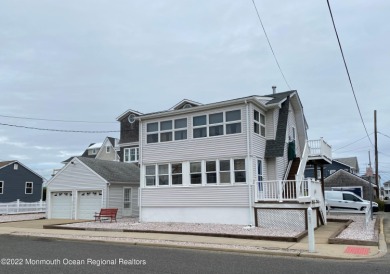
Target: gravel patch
column 21, row 217
column 133, row 224
column 358, row 230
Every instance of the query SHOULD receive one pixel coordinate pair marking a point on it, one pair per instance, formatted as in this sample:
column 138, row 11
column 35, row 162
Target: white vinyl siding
column 115, row 199
column 223, row 146
column 214, row 196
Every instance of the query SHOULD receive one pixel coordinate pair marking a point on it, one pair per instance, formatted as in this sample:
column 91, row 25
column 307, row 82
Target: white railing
column 282, row 190
column 22, row 207
column 320, row 148
column 302, row 164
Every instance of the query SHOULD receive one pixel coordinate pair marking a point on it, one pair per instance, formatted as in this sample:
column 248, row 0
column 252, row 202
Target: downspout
column 249, row 166
column 140, row 170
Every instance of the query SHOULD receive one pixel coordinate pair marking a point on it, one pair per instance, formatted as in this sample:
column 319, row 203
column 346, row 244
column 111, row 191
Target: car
column 347, row 200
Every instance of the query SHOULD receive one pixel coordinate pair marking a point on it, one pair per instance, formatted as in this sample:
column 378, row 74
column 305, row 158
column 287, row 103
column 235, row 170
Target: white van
column 346, row 200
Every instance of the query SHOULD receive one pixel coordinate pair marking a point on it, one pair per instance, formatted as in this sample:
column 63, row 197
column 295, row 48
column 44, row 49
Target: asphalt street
column 42, row 255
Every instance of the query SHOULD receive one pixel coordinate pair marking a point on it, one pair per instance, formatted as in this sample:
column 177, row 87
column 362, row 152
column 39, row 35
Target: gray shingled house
column 86, row 185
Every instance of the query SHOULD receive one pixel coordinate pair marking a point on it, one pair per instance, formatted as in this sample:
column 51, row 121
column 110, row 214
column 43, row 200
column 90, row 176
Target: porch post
column 322, row 180
column 315, row 171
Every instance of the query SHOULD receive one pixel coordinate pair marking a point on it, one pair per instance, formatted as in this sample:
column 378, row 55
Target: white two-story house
column 227, row 162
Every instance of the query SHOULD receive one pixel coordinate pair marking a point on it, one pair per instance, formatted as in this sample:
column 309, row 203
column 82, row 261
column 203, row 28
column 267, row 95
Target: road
column 42, row 255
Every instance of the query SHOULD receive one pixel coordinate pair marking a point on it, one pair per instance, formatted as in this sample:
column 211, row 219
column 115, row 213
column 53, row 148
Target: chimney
column 273, row 89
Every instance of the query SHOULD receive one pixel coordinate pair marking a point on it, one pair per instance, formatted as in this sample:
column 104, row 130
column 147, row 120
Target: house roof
column 6, row 163
column 344, row 172
column 279, row 97
column 183, row 102
column 127, row 113
column 349, row 161
column 113, row 171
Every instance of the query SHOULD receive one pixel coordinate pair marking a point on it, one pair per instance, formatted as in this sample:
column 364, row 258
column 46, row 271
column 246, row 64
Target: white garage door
column 61, row 205
column 88, row 202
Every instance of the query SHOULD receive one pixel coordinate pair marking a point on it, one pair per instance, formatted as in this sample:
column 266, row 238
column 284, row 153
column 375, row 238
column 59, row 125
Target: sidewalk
column 322, row 234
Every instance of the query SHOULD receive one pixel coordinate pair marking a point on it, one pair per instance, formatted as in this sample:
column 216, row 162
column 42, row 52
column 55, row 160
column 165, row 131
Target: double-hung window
column 177, row 174
column 216, row 124
column 196, row 173
column 150, row 175
column 233, row 121
column 131, row 155
column 29, row 188
column 224, row 171
column 199, row 124
column 239, row 171
column 166, row 131
column 259, row 123
column 181, row 129
column 163, row 175
column 152, row 132
column 211, row 172
column 1, row 187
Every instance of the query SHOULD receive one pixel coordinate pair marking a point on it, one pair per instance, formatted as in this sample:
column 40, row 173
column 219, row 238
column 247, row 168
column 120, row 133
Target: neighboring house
column 18, row 182
column 337, row 164
column 344, row 180
column 386, row 190
column 86, row 185
column 226, row 162
column 109, row 150
column 129, row 136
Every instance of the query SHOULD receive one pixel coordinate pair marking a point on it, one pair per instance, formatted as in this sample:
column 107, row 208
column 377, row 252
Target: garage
column 61, row 205
column 88, row 202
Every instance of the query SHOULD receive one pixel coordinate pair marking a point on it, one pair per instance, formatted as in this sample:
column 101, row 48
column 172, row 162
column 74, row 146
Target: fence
column 22, row 207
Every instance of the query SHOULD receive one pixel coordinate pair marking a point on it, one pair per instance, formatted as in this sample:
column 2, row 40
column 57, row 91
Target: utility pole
column 369, row 181
column 376, row 156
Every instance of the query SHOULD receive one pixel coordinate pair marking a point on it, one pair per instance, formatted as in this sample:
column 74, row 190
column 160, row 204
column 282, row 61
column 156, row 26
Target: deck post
column 310, row 230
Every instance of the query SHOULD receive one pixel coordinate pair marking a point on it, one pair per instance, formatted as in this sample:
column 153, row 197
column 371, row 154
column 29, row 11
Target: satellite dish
column 131, row 118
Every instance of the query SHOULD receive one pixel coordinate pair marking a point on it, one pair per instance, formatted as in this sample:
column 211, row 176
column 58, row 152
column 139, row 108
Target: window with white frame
column 259, row 123
column 166, row 131
column 163, row 175
column 224, row 171
column 1, row 187
column 150, row 175
column 239, row 171
column 216, row 124
column 199, row 124
column 108, row 149
column 211, row 172
column 152, row 132
column 196, row 173
column 29, row 188
column 131, row 154
column 233, row 121
column 177, row 174
column 16, row 166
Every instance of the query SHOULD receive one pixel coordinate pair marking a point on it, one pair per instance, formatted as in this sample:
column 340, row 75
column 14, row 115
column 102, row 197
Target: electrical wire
column 346, row 68
column 351, row 143
column 269, row 43
column 53, row 120
column 60, row 130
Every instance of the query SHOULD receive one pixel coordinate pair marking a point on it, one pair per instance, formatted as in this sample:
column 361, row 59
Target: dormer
column 129, row 126
column 185, row 103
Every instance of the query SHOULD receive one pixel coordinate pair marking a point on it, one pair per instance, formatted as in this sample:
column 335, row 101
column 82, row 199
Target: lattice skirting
column 289, row 219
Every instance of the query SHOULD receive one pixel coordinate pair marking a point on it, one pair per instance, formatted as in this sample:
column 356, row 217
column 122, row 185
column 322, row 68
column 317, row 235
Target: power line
column 346, row 68
column 384, row 134
column 60, row 130
column 352, row 143
column 54, row 120
column 269, row 43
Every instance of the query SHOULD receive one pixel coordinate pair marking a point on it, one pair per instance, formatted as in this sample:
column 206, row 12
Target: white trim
column 124, row 114
column 130, row 200
column 32, row 188
column 16, row 161
column 183, row 102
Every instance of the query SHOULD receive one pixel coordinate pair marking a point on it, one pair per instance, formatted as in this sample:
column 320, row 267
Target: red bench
column 106, row 213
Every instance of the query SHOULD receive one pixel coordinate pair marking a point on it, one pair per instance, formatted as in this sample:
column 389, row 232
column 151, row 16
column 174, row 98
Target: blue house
column 19, row 182
column 348, row 164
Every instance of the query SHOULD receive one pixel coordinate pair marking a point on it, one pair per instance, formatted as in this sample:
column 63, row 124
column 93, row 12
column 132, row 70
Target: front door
column 126, row 202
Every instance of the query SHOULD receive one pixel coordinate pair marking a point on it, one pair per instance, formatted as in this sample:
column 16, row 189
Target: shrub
column 381, row 204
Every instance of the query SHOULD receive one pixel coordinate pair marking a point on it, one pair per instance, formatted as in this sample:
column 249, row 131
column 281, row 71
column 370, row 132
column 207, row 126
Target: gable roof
column 127, row 113
column 349, row 174
column 113, row 171
column 7, row 163
column 349, row 161
column 278, row 98
column 183, row 102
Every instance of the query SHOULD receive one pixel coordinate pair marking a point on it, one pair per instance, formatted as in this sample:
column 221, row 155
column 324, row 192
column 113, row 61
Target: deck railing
column 22, row 207
column 320, row 148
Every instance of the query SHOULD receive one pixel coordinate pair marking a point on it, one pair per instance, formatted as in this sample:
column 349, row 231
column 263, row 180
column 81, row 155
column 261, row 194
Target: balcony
column 319, row 150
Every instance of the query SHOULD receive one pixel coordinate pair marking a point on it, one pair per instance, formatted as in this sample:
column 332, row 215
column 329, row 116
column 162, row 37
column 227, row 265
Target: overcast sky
column 93, row 60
